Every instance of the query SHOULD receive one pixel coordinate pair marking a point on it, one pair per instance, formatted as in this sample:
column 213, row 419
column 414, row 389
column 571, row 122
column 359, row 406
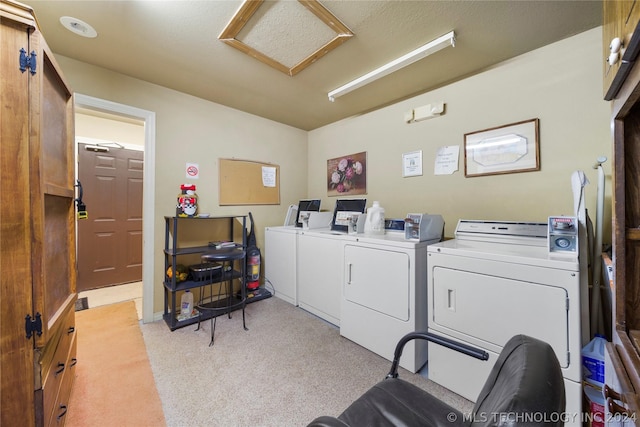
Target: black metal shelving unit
column 171, row 254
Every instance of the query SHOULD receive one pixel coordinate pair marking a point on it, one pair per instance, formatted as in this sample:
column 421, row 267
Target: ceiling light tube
column 448, row 39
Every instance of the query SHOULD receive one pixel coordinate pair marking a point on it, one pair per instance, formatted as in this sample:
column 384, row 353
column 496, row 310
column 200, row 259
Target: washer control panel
column 563, row 234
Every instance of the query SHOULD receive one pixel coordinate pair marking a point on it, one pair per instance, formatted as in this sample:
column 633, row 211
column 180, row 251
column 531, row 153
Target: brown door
column 110, row 238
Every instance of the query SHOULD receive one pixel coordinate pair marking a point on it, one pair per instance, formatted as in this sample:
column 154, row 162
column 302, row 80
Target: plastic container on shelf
column 593, row 361
column 186, row 305
column 187, row 201
column 205, row 271
column 374, row 223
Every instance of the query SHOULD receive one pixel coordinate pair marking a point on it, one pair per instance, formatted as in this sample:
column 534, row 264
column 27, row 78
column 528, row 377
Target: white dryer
column 496, row 280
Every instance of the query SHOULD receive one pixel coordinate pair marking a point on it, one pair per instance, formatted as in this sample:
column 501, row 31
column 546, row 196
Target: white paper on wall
column 269, row 176
column 446, row 161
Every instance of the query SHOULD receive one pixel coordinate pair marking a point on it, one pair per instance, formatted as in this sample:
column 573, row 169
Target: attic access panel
column 267, row 23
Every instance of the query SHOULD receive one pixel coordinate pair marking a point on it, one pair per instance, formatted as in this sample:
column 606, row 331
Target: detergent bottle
column 593, row 361
column 374, row 223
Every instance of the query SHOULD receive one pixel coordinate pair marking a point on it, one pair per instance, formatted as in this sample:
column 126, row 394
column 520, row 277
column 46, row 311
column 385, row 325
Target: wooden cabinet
column 624, row 352
column 618, row 389
column 37, row 226
column 620, row 20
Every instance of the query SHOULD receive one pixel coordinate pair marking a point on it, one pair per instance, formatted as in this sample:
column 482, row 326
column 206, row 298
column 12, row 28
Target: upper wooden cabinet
column 37, row 226
column 621, row 19
column 622, row 373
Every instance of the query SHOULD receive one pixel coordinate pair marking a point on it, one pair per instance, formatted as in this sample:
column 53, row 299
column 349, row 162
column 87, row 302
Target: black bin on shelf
column 205, row 271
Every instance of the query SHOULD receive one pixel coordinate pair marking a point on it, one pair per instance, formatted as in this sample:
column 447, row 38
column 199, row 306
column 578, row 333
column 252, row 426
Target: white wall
column 190, row 129
column 561, row 84
column 109, row 128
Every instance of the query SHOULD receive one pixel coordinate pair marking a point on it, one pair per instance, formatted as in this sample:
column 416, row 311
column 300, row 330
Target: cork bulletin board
column 246, row 182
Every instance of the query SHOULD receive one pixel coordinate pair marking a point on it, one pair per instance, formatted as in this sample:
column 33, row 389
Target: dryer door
column 493, row 309
column 378, row 279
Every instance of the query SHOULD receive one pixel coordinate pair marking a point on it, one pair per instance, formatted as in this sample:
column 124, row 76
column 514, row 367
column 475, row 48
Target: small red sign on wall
column 192, row 171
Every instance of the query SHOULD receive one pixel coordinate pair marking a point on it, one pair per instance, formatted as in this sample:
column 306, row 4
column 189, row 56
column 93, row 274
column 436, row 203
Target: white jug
column 186, row 305
column 374, row 223
column 593, row 361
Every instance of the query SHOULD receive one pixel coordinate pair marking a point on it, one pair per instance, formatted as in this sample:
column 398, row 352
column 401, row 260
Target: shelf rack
column 171, row 254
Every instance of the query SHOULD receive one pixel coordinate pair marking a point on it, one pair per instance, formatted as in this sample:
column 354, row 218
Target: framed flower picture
column 347, row 175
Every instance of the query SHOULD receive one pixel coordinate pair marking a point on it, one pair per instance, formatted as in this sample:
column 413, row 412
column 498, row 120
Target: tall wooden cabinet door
column 53, row 197
column 626, row 221
column 16, row 351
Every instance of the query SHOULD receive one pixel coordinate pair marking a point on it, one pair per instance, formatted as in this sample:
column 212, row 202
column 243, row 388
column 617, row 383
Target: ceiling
column 175, row 44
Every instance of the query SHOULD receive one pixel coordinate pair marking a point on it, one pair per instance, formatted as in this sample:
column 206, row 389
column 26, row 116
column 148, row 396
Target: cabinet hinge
column 28, row 61
column 32, row 325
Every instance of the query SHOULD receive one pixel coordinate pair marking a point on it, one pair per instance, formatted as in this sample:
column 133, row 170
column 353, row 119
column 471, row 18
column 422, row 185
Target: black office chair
column 524, row 388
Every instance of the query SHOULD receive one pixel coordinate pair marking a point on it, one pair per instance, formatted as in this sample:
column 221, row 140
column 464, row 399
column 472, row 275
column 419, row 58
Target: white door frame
column 148, row 197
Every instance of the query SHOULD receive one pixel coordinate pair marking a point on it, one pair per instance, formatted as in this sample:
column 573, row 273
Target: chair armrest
column 447, row 342
column 327, row 421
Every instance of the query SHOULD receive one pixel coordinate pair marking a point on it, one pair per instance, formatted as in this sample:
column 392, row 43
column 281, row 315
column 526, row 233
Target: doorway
column 148, row 198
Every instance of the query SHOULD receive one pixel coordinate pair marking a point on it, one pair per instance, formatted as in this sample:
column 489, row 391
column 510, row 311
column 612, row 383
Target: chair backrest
column 525, row 387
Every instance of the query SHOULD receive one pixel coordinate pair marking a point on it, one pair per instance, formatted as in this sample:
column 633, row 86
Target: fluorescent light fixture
column 441, row 42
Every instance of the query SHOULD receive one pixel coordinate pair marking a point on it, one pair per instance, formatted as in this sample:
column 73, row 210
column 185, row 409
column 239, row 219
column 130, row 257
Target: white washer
column 496, row 280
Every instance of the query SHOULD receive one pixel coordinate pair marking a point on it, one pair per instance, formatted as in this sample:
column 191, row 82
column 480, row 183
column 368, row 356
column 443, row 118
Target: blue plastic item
column 593, row 361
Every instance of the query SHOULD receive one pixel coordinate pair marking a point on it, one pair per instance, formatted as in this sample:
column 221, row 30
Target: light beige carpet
column 114, row 385
column 287, row 369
